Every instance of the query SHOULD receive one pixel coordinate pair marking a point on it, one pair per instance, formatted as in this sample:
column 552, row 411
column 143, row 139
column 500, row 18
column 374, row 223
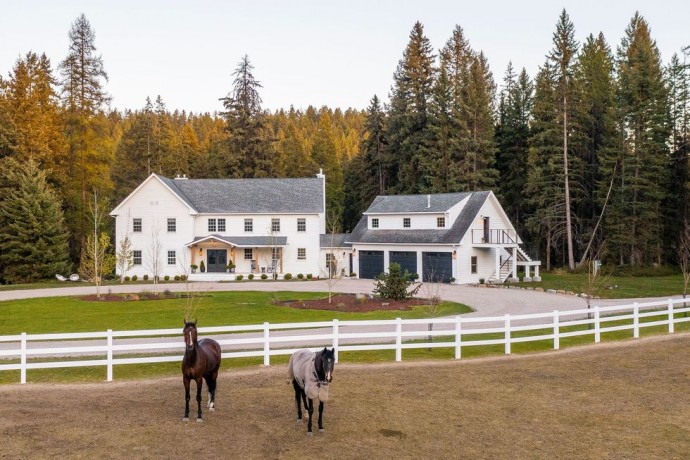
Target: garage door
column 370, row 264
column 437, row 265
column 407, row 260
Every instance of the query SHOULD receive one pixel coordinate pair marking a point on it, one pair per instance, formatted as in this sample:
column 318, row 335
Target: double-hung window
column 375, row 222
column 301, row 253
column 248, row 254
column 406, row 222
column 248, row 225
column 212, row 225
column 136, row 224
column 172, row 225
column 473, row 265
column 275, row 225
column 221, row 225
column 172, row 258
column 441, row 222
column 136, row 257
column 301, row 224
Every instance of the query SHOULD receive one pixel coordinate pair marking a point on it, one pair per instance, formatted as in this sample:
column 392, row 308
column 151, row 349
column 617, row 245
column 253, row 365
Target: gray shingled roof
column 453, row 235
column 336, row 240
column 246, row 241
column 262, row 196
column 440, row 202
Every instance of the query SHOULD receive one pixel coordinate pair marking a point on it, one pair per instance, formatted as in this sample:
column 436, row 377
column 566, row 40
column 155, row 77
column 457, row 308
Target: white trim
column 115, row 212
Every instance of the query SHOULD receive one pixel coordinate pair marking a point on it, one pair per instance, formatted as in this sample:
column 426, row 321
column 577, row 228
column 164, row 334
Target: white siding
column 417, row 221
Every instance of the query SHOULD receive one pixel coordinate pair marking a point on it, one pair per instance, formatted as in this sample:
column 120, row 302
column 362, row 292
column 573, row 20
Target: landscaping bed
column 353, row 303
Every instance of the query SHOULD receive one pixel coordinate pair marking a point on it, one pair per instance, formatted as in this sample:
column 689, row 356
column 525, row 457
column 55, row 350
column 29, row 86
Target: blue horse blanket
column 301, row 368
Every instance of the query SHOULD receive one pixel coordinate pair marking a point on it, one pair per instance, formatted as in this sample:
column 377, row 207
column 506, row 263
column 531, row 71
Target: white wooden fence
column 112, row 348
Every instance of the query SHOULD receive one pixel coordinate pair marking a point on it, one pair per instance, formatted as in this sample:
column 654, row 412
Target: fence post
column 507, row 333
column 670, row 317
column 556, row 331
column 398, row 339
column 267, row 346
column 335, row 338
column 110, row 355
column 597, row 326
column 636, row 320
column 22, row 371
column 458, row 337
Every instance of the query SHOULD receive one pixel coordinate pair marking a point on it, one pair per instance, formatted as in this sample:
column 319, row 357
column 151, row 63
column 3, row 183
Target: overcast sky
column 304, row 52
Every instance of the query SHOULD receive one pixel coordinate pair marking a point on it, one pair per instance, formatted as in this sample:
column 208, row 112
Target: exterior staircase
column 504, row 271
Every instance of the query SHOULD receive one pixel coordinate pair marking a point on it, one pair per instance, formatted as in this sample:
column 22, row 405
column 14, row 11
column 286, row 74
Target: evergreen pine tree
column 33, row 237
column 636, row 221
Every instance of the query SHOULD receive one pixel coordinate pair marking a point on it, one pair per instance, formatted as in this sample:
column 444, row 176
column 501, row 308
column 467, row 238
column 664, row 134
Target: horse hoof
column 211, row 409
column 321, row 430
column 309, row 433
column 199, row 420
column 299, row 420
column 185, row 419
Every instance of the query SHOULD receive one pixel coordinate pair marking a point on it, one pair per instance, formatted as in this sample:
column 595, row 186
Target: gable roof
column 452, row 235
column 441, row 202
column 337, row 240
column 246, row 196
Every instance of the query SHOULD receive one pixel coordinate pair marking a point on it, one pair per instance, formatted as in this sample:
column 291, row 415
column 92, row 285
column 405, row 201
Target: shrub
column 177, row 278
column 167, row 293
column 481, row 280
column 239, row 277
column 414, row 276
column 135, row 277
column 194, row 267
column 394, row 284
column 288, row 276
column 127, row 278
column 183, row 277
column 251, row 276
column 202, row 266
column 309, row 276
column 166, row 277
column 353, row 274
column 300, row 276
column 146, row 277
column 452, row 280
column 264, row 276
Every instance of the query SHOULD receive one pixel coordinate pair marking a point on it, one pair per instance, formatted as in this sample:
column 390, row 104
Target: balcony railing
column 494, row 236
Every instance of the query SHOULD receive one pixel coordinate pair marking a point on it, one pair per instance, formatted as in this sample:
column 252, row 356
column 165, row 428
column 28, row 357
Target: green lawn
column 70, row 314
column 624, row 287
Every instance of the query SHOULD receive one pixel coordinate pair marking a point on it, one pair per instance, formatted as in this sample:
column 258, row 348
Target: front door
column 216, row 261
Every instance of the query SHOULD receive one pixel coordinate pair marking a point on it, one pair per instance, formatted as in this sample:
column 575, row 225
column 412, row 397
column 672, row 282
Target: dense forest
column 589, row 157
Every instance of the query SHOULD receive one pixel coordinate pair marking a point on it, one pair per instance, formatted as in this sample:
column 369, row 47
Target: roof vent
column 182, row 177
column 428, row 201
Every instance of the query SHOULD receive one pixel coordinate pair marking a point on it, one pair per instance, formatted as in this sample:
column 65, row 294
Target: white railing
column 112, row 348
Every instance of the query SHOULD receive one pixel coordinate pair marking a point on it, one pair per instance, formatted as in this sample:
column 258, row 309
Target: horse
column 201, row 361
column 310, row 373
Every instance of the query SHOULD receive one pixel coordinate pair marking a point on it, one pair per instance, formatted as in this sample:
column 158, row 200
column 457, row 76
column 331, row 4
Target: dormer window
column 406, row 222
column 441, row 222
column 374, row 222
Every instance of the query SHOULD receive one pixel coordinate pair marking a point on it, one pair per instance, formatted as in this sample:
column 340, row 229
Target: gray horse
column 310, row 374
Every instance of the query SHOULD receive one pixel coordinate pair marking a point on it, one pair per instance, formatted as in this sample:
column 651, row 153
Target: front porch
column 224, row 257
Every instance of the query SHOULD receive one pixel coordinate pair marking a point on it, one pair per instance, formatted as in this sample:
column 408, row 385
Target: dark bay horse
column 310, row 374
column 201, row 361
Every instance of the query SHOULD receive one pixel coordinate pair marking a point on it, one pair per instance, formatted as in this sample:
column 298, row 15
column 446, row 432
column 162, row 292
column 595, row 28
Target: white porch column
column 527, row 277
column 536, row 277
column 386, row 261
column 498, row 264
column 513, row 266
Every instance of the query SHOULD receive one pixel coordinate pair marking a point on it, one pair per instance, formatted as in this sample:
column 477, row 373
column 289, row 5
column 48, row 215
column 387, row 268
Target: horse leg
column 186, row 399
column 321, row 416
column 211, row 384
column 199, row 383
column 298, row 400
column 310, row 409
column 304, row 398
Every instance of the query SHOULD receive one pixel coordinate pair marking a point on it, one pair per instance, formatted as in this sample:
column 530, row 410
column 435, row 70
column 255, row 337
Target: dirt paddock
column 621, row 400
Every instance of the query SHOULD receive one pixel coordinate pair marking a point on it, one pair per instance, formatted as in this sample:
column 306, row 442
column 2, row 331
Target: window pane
column 275, row 225
column 136, row 256
column 440, row 222
column 136, row 224
column 248, row 225
column 212, row 225
column 221, row 225
column 172, row 224
column 301, row 225
column 374, row 223
column 406, row 222
column 301, row 253
column 172, row 260
column 248, row 254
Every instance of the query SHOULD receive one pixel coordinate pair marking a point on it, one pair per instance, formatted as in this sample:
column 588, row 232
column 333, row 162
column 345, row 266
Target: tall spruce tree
column 326, row 156
column 33, row 237
column 249, row 144
column 637, row 221
column 562, row 58
column 408, row 127
column 90, row 149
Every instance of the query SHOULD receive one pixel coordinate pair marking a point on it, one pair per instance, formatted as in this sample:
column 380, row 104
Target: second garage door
column 407, row 260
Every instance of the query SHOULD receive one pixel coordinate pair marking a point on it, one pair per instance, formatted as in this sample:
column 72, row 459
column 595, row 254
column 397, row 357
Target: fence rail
column 110, row 348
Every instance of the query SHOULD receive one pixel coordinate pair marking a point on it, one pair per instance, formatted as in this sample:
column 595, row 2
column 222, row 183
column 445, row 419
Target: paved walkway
column 485, row 301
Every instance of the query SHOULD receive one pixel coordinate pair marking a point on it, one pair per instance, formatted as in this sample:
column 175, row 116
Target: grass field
column 620, row 400
column 70, row 314
column 623, row 287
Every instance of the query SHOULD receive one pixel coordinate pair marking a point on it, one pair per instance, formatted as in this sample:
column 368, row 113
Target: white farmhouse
column 459, row 237
column 260, row 225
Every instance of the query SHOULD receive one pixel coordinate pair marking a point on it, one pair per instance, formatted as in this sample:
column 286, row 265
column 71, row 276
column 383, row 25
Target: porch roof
column 243, row 241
